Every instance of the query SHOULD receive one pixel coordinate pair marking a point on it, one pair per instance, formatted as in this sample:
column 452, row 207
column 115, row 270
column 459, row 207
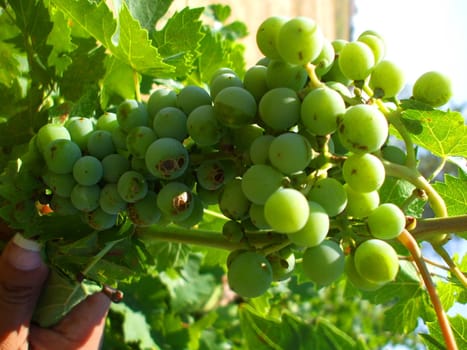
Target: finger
column 22, row 274
column 82, row 328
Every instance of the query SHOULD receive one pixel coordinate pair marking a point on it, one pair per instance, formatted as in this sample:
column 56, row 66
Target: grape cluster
column 294, row 145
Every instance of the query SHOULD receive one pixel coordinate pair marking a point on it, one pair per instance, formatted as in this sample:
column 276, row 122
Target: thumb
column 22, row 274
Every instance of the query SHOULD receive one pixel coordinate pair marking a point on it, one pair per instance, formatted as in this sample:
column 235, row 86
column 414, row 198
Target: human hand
column 22, row 275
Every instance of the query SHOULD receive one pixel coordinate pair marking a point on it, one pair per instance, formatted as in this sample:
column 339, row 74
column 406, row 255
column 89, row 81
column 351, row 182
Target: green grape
column 279, row 108
column 203, row 127
column 286, row 210
column 62, row 205
column 99, row 220
column 113, row 166
column 59, row 184
column 196, row 215
column 386, row 79
column 132, row 186
column 356, row 60
column 325, row 59
column 284, row 74
column 232, row 201
column 119, row 138
column 259, row 149
column 170, row 122
column 290, row 153
column 192, row 96
column 256, row 214
column 234, row 107
column 100, row 144
column 360, row 204
column 282, row 264
column 260, row 181
column 300, row 40
column 267, row 34
column 315, row 230
column 131, row 113
column 432, row 88
column 158, row 99
column 363, row 129
column 60, row 155
column 222, row 81
column 138, row 140
column 335, row 74
column 264, row 61
column 386, row 222
column 107, row 121
column 80, row 129
column 175, row 200
column 330, row 194
column 376, row 261
column 145, row 212
column 363, row 172
column 166, row 158
column 208, row 197
column 51, row 132
column 249, row 274
column 85, row 198
column 211, row 174
column 394, row 154
column 243, row 136
column 232, row 231
column 110, row 200
column 324, row 263
column 320, row 110
column 376, row 44
column 88, row 171
column 356, row 279
column 220, row 71
column 255, row 82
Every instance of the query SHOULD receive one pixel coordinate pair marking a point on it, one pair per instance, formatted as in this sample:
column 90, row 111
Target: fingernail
column 24, row 254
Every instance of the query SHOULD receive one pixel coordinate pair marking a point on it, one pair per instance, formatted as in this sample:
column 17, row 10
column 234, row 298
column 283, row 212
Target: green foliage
column 81, row 58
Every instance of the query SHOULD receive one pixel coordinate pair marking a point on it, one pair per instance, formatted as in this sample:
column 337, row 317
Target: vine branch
column 412, row 246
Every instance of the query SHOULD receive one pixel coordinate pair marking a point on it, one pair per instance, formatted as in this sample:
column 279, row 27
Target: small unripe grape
column 386, row 79
column 286, row 210
column 356, row 60
column 249, row 274
column 300, row 40
column 324, row 263
column 363, row 172
column 266, row 36
column 432, row 88
column 376, row 261
column 387, row 221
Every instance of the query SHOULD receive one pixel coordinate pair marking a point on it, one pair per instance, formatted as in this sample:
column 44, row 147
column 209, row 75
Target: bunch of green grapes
column 293, row 146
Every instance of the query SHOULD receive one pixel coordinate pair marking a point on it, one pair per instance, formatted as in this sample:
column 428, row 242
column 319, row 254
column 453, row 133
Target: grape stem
column 452, row 266
column 412, row 246
column 202, row 237
column 434, row 226
column 136, row 83
column 414, row 177
column 314, row 80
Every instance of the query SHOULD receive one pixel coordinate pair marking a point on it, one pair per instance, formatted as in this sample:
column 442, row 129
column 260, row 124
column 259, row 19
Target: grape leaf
column 454, row 192
column 60, row 40
column 406, row 300
column 189, row 289
column 291, row 333
column 442, row 133
column 459, row 328
column 123, row 38
column 148, row 12
column 395, row 190
column 60, row 296
column 179, row 40
column 9, row 69
column 118, row 81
